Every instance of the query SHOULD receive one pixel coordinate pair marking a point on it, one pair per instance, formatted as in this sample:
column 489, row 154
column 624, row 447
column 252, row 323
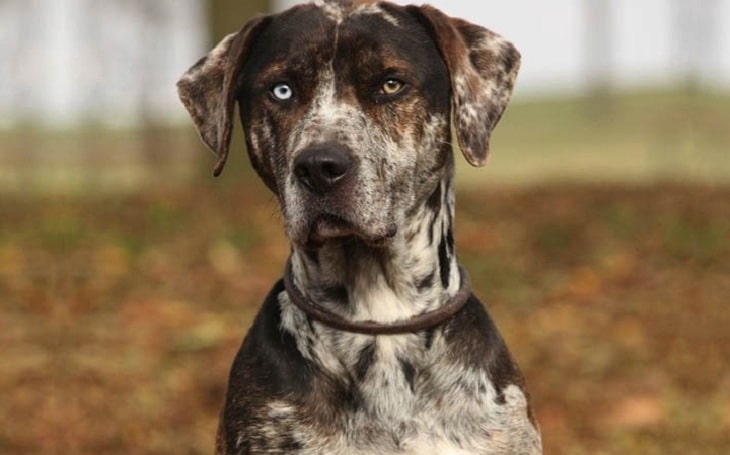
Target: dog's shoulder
column 472, row 337
column 272, row 389
column 267, row 368
column 268, row 358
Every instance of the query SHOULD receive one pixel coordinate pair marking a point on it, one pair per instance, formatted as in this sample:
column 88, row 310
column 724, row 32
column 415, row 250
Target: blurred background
column 598, row 236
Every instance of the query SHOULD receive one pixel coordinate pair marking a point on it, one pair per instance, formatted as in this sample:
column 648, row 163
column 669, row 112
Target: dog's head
column 346, row 107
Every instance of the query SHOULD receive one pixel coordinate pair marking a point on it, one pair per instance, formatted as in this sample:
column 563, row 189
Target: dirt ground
column 120, row 315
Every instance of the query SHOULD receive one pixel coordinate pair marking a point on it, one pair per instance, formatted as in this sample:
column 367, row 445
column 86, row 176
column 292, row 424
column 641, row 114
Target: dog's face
column 346, row 108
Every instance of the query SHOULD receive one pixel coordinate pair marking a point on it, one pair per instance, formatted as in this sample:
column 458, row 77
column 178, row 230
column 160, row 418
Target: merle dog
column 372, row 343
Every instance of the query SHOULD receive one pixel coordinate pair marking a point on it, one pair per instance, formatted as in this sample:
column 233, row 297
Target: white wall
column 65, row 62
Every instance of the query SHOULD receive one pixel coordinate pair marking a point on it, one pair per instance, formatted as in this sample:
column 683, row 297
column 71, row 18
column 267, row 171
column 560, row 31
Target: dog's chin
column 328, row 229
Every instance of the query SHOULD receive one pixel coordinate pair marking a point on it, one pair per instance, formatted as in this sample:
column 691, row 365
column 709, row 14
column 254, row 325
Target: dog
column 372, row 343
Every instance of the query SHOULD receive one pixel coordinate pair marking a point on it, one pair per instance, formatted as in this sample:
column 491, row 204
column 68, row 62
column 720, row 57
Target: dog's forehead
column 313, row 35
column 339, row 10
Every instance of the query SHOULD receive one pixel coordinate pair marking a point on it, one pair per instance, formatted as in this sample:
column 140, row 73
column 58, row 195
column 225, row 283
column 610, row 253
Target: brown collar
column 414, row 324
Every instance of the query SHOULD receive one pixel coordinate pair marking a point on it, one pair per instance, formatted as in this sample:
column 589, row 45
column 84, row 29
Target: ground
column 121, row 315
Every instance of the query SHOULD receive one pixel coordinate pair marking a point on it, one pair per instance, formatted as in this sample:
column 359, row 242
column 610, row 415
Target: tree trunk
column 598, row 59
column 227, row 16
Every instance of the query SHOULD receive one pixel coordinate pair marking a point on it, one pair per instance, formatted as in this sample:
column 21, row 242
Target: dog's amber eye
column 392, row 86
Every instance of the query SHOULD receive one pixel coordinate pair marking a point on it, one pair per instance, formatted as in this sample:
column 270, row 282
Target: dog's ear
column 482, row 66
column 208, row 89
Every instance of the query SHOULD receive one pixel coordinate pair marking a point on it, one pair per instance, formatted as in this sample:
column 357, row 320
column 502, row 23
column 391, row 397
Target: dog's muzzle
column 326, row 174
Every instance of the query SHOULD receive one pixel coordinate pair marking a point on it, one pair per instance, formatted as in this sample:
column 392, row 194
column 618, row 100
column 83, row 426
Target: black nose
column 321, row 168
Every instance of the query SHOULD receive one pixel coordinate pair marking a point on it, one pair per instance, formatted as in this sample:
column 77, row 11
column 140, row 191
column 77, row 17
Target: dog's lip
column 328, row 227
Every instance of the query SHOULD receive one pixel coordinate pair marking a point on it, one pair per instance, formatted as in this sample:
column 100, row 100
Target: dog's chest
column 389, row 416
column 407, row 395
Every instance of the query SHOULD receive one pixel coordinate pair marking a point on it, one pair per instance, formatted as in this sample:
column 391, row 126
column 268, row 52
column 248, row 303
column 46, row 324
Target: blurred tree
column 598, row 47
column 156, row 17
column 695, row 31
column 227, row 16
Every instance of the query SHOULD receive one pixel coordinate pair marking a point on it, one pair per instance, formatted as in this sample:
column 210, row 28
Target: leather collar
column 416, row 323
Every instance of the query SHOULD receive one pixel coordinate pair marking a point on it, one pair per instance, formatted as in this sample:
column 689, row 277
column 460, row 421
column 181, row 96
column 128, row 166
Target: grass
column 95, row 160
column 638, row 138
column 634, row 137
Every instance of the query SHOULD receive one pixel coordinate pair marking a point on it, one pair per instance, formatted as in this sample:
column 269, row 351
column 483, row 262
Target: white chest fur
column 442, row 407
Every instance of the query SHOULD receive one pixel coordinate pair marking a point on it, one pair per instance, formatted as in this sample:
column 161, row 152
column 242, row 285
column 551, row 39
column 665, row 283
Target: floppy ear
column 482, row 66
column 208, row 90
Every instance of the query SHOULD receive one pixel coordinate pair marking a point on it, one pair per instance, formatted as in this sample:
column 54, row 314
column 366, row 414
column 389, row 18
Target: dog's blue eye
column 282, row 91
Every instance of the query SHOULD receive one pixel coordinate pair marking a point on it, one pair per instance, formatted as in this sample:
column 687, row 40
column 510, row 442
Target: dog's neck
column 414, row 272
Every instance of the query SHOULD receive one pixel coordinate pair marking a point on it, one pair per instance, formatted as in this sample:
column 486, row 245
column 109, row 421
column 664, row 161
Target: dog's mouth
column 332, row 228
